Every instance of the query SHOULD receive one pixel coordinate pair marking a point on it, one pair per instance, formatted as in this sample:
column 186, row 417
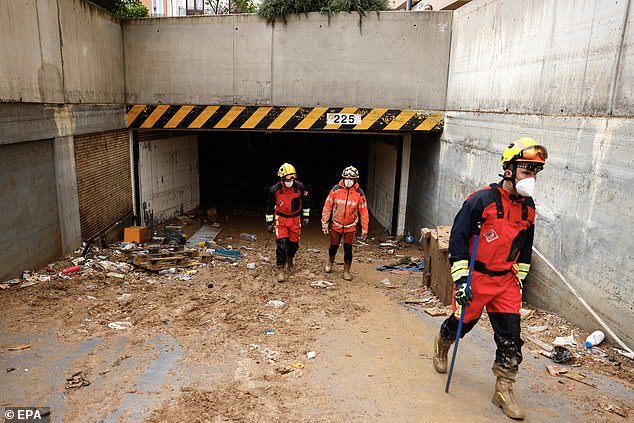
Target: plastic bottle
column 248, row 237
column 71, row 269
column 595, row 338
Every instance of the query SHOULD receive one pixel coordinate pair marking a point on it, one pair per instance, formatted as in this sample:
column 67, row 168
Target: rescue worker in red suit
column 506, row 212
column 345, row 203
column 288, row 202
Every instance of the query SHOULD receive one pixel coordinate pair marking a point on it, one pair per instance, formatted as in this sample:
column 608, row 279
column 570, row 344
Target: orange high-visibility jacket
column 345, row 206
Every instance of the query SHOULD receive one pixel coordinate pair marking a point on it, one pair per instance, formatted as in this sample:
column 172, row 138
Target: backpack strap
column 498, row 201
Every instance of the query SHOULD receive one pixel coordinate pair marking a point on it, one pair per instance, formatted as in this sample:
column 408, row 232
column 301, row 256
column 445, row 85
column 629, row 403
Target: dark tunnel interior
column 237, row 169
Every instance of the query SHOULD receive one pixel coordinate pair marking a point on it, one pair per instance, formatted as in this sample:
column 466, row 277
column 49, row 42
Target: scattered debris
column 322, row 284
column 77, row 381
column 120, row 325
column 627, row 354
column 435, row 311
column 526, row 314
column 565, row 340
column 544, row 346
column 561, row 354
column 619, row 411
column 20, row 347
column 275, row 303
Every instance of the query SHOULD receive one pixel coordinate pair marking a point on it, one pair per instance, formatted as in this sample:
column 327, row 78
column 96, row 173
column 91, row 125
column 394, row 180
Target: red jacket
column 287, row 202
column 345, row 205
column 507, row 231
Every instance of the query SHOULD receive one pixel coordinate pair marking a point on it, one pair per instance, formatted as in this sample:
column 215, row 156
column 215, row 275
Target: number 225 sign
column 343, row 119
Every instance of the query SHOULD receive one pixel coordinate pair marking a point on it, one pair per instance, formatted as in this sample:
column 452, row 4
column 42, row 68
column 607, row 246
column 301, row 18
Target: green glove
column 462, row 296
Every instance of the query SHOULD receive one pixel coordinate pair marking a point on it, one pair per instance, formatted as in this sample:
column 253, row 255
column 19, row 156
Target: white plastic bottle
column 595, row 338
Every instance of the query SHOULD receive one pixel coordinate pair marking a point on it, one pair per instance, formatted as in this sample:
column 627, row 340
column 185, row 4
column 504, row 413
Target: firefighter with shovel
column 501, row 262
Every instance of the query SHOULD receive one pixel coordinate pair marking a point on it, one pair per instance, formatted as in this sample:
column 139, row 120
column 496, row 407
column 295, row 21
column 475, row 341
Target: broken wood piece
column 579, row 377
column 556, row 370
column 20, row 347
column 540, row 344
column 425, row 233
column 435, row 311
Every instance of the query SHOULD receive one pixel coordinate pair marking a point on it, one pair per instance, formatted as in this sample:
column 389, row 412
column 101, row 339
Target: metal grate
column 104, row 184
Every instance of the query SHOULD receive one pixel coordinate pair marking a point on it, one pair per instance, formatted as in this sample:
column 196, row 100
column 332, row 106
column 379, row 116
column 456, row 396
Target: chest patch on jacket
column 491, row 235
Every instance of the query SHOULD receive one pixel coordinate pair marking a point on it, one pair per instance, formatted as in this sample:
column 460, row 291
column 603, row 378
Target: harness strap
column 478, row 266
column 287, row 215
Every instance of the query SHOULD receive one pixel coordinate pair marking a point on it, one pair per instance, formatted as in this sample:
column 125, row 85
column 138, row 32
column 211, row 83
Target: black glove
column 269, row 227
column 305, row 221
column 462, row 296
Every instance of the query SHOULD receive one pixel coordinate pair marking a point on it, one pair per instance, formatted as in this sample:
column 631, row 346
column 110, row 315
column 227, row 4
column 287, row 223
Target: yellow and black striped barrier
column 163, row 116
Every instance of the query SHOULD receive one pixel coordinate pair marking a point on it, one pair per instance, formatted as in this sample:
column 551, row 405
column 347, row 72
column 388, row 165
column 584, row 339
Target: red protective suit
column 345, row 206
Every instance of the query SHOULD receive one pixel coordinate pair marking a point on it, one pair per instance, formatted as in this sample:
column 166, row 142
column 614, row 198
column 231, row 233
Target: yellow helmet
column 286, row 170
column 524, row 150
column 350, row 172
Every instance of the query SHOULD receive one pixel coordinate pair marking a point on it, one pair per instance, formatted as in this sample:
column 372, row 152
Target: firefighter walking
column 287, row 209
column 506, row 212
column 345, row 204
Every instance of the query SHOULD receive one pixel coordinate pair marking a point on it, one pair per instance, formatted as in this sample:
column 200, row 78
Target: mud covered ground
column 223, row 342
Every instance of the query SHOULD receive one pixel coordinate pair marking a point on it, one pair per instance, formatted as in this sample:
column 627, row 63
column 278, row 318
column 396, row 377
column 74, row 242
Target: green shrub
column 273, row 10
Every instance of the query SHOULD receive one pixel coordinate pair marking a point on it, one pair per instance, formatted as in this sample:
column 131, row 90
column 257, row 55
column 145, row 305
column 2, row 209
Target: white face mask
column 525, row 187
column 288, row 184
column 348, row 183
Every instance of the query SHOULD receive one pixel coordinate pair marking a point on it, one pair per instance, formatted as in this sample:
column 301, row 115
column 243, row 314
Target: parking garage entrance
column 230, row 162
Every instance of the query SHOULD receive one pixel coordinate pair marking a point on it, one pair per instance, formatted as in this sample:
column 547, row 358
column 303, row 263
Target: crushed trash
column 561, row 354
column 321, row 284
column 404, row 264
column 275, row 303
column 565, row 340
column 310, row 354
column 269, row 331
column 627, row 354
column 77, row 381
column 120, row 325
column 526, row 314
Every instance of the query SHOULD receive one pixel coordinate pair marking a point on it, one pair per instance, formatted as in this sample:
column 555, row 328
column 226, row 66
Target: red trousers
column 287, row 227
column 499, row 294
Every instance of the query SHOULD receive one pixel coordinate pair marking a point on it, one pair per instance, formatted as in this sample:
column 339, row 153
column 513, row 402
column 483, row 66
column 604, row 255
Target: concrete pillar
column 404, row 170
column 67, row 198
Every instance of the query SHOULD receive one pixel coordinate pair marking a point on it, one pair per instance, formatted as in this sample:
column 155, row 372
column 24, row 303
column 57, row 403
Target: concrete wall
column 62, row 75
column 28, row 217
column 555, row 71
column 394, row 60
column 168, row 172
column 60, row 51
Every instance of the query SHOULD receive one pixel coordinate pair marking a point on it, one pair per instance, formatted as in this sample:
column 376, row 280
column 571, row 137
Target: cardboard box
column 136, row 234
column 437, row 272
